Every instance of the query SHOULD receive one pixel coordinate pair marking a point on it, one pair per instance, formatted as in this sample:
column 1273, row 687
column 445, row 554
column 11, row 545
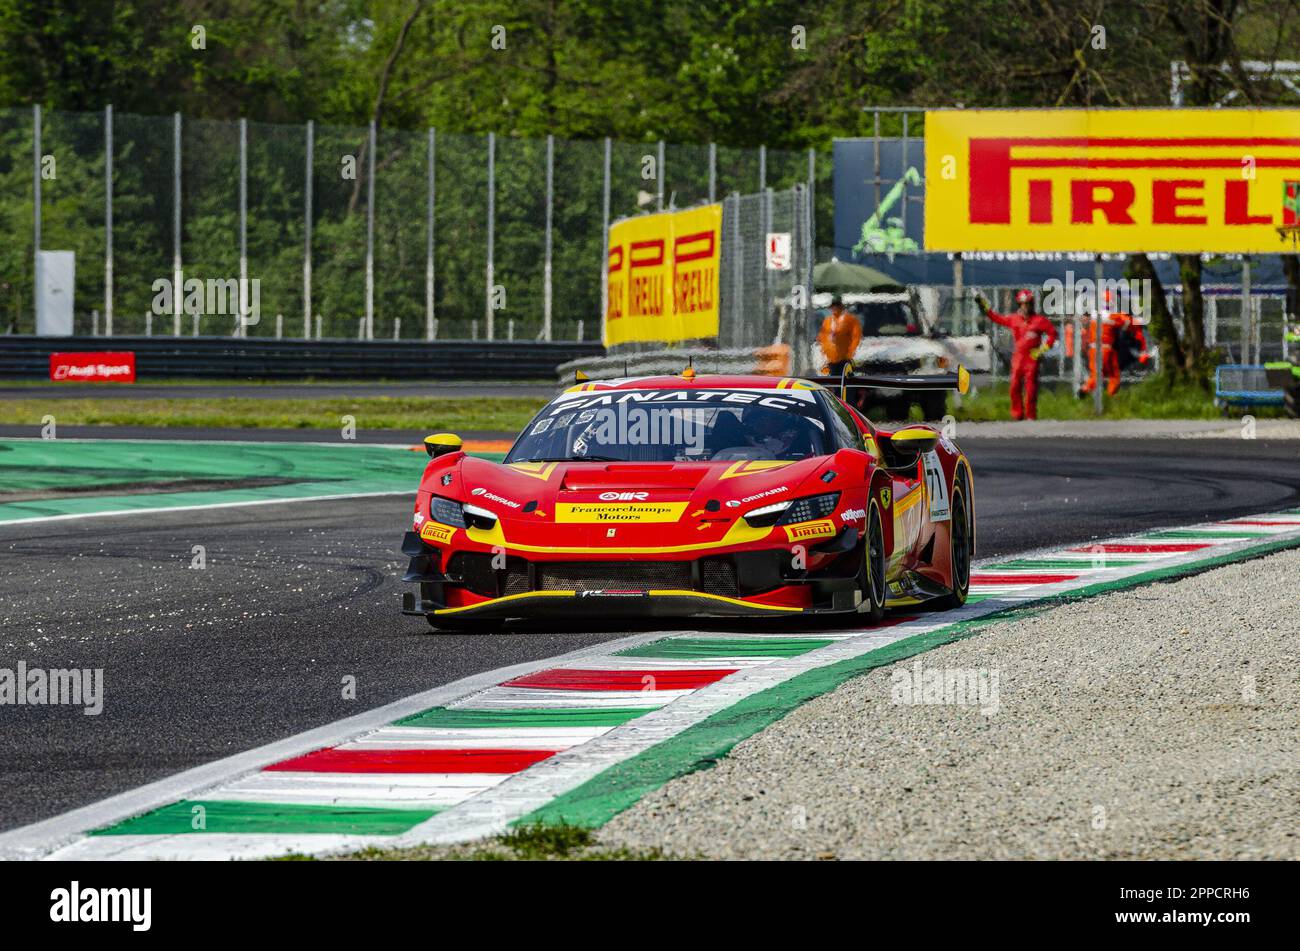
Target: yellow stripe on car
column 907, row 501
column 686, row 593
column 751, row 467
column 538, row 470
column 508, row 597
column 659, row 593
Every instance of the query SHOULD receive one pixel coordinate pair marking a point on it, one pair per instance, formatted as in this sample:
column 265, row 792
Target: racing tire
column 962, row 549
column 874, row 565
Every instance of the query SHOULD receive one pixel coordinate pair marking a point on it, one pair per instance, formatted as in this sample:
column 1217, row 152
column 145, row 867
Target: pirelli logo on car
column 437, row 532
column 822, row 528
column 619, row 511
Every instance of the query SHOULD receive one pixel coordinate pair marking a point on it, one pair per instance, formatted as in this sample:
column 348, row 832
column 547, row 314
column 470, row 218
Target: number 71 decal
column 936, row 488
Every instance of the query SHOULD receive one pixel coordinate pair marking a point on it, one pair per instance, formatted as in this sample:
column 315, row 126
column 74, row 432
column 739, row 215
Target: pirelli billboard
column 663, row 276
column 1213, row 180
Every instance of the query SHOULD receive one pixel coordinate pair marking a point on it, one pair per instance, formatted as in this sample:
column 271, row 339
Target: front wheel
column 872, row 576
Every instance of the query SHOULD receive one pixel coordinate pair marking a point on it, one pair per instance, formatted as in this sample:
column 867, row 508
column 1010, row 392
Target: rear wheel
column 872, row 577
column 961, row 550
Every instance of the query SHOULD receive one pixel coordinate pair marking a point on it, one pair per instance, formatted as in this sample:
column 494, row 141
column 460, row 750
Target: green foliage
column 541, row 841
column 528, row 843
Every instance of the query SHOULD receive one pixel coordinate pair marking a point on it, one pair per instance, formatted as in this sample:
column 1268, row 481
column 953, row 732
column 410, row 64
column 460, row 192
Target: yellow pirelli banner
column 663, row 276
column 1216, row 180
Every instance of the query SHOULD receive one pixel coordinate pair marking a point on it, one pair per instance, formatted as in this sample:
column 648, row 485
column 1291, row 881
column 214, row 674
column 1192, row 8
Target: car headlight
column 461, row 515
column 767, row 516
column 446, row 511
column 794, row 510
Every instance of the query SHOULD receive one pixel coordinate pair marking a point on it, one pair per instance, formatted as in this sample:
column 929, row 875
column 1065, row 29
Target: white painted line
column 489, row 738
column 613, row 662
column 190, row 508
column 432, row 797
column 208, row 846
column 414, row 782
column 358, row 789
column 528, row 698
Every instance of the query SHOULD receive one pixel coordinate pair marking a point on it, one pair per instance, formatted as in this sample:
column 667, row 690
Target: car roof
column 704, row 382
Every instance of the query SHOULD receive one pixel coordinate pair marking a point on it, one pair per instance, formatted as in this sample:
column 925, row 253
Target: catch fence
column 350, row 232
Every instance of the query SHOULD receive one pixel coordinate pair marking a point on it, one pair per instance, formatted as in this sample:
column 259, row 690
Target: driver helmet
column 1024, row 296
column 765, row 423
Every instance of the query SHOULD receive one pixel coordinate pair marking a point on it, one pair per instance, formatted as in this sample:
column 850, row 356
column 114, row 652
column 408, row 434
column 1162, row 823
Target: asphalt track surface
column 200, row 664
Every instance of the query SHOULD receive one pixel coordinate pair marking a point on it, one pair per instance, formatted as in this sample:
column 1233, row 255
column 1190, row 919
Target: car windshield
column 685, row 425
column 885, row 319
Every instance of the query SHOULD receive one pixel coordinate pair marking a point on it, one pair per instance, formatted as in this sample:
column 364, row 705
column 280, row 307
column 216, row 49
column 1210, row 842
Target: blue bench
column 1240, row 384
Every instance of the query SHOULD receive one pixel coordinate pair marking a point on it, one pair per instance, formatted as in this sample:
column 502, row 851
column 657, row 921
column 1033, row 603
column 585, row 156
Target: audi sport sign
column 1213, row 180
column 93, row 367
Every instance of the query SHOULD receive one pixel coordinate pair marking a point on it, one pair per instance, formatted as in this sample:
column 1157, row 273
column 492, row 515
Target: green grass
column 372, row 412
column 528, row 843
column 1153, row 398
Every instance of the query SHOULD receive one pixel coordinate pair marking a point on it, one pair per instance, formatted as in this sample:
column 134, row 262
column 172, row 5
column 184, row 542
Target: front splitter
column 560, row 604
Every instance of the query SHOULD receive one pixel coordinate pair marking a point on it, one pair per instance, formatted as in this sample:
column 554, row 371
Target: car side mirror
column 440, row 444
column 912, row 441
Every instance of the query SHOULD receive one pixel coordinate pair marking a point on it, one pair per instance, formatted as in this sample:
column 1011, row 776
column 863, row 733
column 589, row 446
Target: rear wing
column 958, row 380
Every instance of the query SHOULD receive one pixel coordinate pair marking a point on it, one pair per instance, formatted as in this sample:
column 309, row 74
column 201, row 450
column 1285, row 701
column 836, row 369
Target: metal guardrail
column 28, row 357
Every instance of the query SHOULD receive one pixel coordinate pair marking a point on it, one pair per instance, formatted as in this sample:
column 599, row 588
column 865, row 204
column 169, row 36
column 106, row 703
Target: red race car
column 689, row 496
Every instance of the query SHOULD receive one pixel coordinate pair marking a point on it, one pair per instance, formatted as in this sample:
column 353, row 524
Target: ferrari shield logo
column 886, row 496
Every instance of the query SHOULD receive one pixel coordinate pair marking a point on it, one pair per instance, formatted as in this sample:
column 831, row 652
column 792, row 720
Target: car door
column 907, row 489
column 909, row 510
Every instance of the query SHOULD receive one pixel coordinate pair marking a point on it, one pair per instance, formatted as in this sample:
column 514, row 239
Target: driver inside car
column 779, row 435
